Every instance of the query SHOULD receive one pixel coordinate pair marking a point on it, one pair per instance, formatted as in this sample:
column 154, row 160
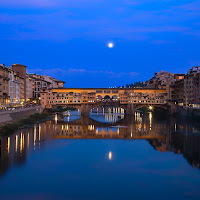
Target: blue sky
column 67, row 38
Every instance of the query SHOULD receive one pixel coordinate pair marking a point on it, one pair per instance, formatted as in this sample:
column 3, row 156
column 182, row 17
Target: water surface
column 72, row 157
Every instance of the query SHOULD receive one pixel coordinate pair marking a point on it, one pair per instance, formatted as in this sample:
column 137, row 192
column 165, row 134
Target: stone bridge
column 84, row 99
column 129, row 109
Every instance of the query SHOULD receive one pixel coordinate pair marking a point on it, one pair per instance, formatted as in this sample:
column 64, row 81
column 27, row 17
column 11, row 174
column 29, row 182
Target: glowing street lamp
column 150, row 107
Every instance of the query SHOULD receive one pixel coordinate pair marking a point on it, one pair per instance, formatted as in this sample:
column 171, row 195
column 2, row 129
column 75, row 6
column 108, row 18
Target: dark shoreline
column 9, row 127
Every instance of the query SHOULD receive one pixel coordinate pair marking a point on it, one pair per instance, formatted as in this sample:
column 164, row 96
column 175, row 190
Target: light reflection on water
column 104, row 117
column 70, row 116
column 144, row 148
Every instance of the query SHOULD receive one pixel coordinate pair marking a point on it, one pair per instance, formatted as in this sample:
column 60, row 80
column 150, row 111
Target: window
column 106, row 91
column 115, row 91
column 99, row 91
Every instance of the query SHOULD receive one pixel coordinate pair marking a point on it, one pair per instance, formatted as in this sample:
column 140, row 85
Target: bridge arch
column 99, row 97
column 107, row 97
column 151, row 107
column 115, row 97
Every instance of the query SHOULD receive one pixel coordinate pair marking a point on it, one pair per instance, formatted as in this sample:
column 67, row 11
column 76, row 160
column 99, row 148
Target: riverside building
column 41, row 83
column 4, row 86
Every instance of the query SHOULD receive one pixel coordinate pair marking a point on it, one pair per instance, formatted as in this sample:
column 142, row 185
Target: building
column 72, row 96
column 192, row 88
column 21, row 69
column 42, row 83
column 146, row 97
column 174, row 87
column 185, row 90
column 159, row 80
column 4, row 86
column 33, row 84
column 14, row 88
column 11, row 87
column 29, row 87
column 165, row 80
column 194, row 70
column 177, row 92
column 54, row 83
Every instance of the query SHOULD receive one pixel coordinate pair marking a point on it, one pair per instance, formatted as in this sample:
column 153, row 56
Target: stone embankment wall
column 190, row 112
column 10, row 115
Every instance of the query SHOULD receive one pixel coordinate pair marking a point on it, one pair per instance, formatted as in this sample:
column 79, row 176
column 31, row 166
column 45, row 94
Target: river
column 104, row 156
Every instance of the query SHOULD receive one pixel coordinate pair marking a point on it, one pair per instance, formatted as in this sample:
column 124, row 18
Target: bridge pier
column 130, row 110
column 85, row 109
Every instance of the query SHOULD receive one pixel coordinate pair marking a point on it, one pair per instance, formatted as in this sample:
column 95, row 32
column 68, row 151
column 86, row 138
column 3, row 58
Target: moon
column 110, row 45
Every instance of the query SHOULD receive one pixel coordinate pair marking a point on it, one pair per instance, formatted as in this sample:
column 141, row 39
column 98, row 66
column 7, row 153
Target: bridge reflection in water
column 134, row 127
column 174, row 135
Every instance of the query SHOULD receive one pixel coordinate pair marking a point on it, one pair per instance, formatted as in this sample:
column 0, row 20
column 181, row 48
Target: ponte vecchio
column 85, row 99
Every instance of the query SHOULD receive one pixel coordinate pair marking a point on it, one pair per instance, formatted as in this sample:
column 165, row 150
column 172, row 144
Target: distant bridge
column 85, row 99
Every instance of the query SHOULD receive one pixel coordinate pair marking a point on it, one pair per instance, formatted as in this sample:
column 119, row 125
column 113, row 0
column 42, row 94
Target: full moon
column 110, row 44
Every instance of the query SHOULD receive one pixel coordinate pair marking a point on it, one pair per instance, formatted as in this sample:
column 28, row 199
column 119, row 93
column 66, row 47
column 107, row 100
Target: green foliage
column 135, row 85
column 61, row 109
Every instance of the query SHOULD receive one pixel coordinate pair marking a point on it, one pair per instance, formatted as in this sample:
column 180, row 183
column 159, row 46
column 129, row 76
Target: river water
column 104, row 156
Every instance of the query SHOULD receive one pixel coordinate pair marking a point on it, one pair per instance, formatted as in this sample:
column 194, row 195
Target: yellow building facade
column 69, row 96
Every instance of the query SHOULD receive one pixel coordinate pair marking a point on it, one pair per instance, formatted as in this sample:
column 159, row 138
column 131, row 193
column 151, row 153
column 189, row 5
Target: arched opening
column 156, row 111
column 99, row 98
column 67, row 113
column 151, row 108
column 115, row 98
column 107, row 97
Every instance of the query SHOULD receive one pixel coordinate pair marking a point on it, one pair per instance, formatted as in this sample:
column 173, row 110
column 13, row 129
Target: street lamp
column 150, row 107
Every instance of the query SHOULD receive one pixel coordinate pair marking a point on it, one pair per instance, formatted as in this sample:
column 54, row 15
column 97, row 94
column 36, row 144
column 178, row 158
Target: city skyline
column 68, row 40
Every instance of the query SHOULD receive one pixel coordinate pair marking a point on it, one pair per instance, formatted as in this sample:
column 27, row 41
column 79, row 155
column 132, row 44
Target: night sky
column 67, row 39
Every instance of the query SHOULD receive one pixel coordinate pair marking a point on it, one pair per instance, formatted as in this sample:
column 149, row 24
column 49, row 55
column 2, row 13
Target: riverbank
column 10, row 127
column 7, row 128
column 12, row 115
column 188, row 112
column 59, row 109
